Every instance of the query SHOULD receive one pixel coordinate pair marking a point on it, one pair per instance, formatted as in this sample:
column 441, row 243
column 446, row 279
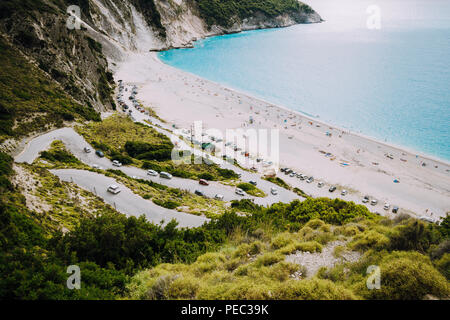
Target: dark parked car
column 332, row 189
column 395, row 209
column 199, row 193
column 100, row 153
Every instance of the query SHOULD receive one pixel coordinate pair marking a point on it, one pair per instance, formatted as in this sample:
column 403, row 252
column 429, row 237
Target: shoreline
column 359, row 162
column 406, row 149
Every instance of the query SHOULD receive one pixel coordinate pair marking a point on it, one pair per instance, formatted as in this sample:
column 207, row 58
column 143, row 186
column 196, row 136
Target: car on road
column 303, row 177
column 344, row 192
column 87, row 150
column 366, row 199
column 292, row 174
column 332, row 189
column 100, row 154
column 165, row 175
column 203, row 182
column 320, row 184
column 374, row 202
column 252, row 182
column 386, row 206
column 274, row 191
column 395, row 209
column 240, row 192
column 114, row 189
column 152, row 173
column 116, row 163
column 310, row 180
column 199, row 193
column 218, row 197
column 267, row 164
column 427, row 219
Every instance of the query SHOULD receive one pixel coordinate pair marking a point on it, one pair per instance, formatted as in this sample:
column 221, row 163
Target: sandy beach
column 347, row 160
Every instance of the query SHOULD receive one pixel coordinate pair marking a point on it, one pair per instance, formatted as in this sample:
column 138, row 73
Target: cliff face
column 80, row 60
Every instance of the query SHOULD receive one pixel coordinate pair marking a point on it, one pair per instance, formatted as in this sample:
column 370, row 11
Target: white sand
column 182, row 98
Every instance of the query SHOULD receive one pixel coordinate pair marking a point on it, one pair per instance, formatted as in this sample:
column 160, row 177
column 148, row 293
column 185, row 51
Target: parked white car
column 274, row 191
column 114, row 189
column 116, row 163
column 240, row 192
column 165, row 175
column 218, row 197
column 386, row 206
column 152, row 173
column 344, row 192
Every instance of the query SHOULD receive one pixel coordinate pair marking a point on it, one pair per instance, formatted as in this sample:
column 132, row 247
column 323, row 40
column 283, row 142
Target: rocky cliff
column 81, row 59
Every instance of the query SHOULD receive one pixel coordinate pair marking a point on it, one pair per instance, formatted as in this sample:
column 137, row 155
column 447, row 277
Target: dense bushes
column 59, row 154
column 222, row 12
column 407, row 276
column 133, row 243
column 147, row 151
column 415, row 235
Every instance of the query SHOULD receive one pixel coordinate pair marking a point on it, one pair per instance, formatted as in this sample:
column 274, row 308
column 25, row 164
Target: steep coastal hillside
column 81, row 60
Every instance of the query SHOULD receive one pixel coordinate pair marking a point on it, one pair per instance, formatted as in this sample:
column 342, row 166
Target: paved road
column 76, row 143
column 126, row 201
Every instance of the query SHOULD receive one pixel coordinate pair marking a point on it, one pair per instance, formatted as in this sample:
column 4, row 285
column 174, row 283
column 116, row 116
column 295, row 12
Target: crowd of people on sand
column 288, row 121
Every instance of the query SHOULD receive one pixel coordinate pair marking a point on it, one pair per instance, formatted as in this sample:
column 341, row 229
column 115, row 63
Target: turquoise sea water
column 392, row 84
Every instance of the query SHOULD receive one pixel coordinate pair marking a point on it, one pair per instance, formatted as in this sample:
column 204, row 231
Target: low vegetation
column 252, row 190
column 140, row 145
column 279, row 182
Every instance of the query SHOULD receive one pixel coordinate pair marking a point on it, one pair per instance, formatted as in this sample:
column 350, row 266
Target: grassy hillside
column 238, row 255
column 413, row 258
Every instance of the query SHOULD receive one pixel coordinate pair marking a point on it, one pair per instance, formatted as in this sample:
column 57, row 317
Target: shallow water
column 392, row 83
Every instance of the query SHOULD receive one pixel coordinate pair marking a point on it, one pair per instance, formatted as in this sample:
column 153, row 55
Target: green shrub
column 282, row 240
column 183, row 288
column 269, row 258
column 369, row 240
column 414, row 236
column 310, row 246
column 443, row 265
column 314, row 289
column 169, row 204
column 407, row 276
column 315, row 224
